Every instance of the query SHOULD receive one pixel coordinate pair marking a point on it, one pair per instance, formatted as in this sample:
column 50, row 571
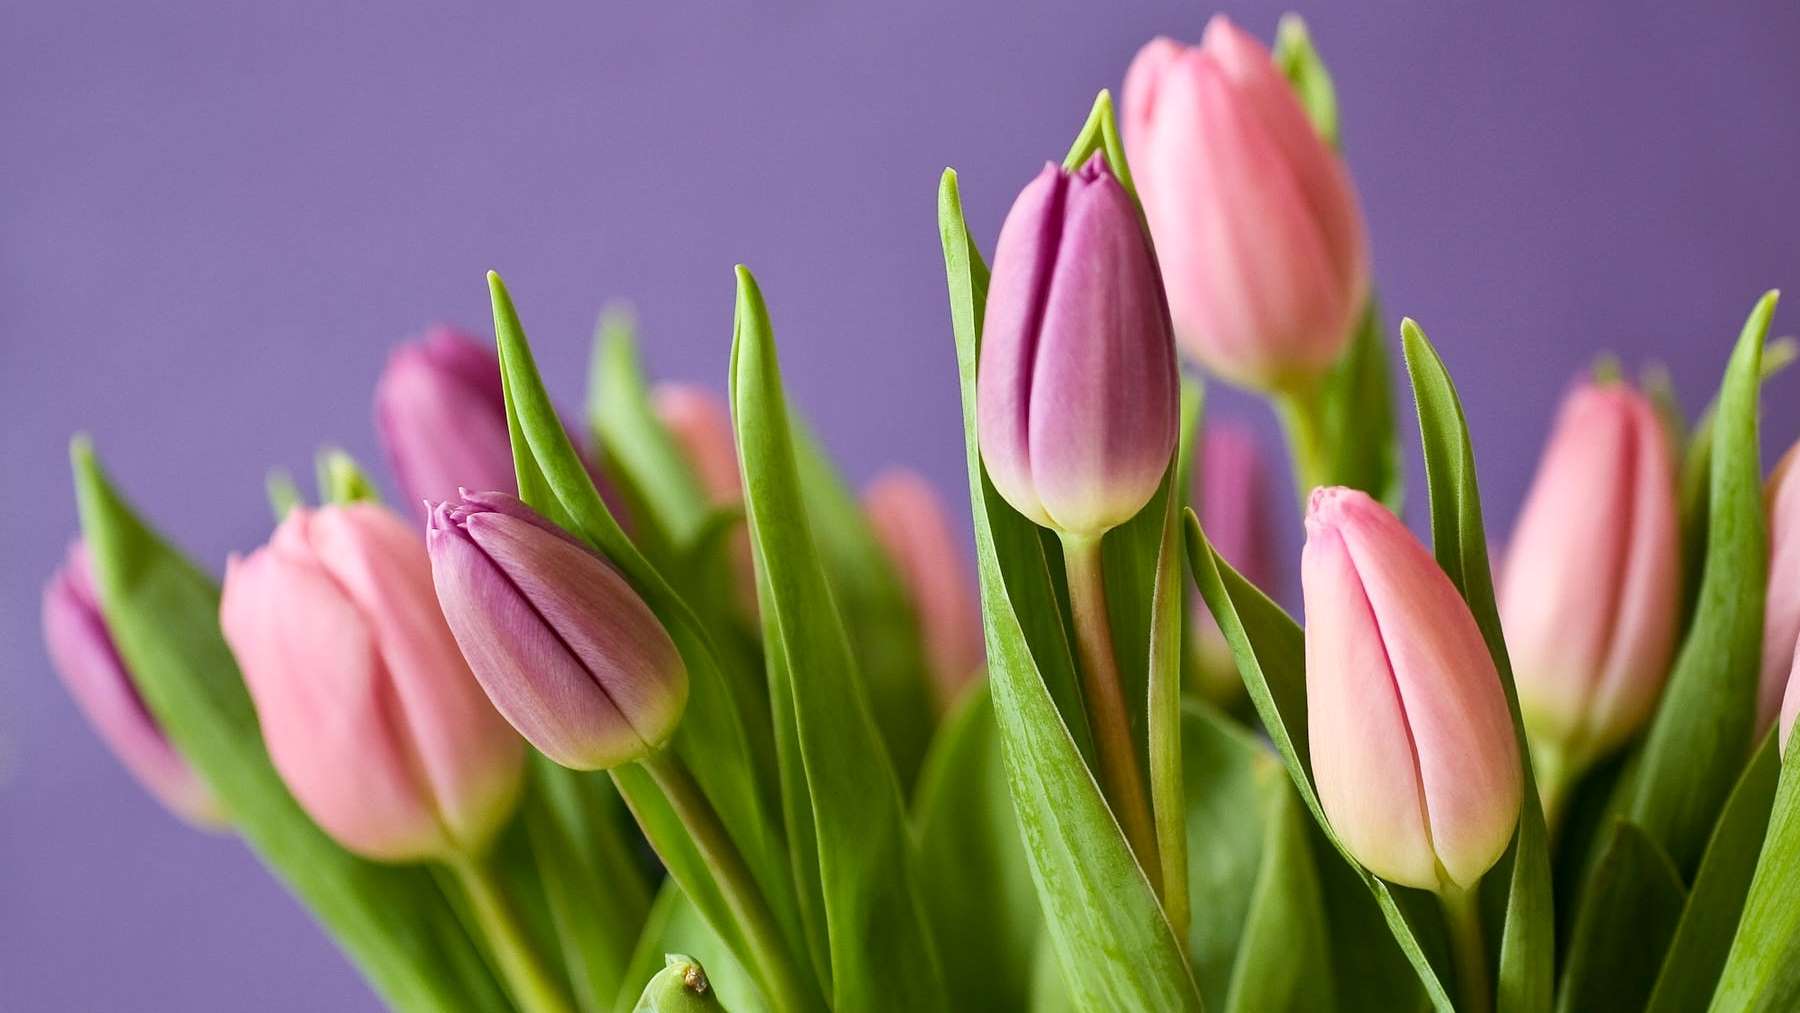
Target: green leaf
column 1459, row 541
column 342, row 480
column 972, row 868
column 1101, row 134
column 712, row 739
column 393, row 921
column 674, row 926
column 1271, row 655
column 881, row 950
column 1115, row 948
column 1629, row 911
column 1762, row 971
column 1370, row 971
column 1284, row 961
column 1169, row 616
column 1300, row 64
column 1697, row 743
column 283, row 494
column 1703, row 938
column 1357, row 408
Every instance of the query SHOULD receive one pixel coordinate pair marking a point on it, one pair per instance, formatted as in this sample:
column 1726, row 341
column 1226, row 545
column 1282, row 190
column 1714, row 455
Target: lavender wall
column 215, row 217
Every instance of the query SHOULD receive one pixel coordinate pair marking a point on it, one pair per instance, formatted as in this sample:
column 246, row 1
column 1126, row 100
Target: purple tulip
column 564, row 647
column 441, row 415
column 82, row 651
column 1077, row 398
column 1231, row 492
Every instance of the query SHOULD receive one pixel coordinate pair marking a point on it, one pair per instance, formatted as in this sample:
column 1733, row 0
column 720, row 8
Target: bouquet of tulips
column 650, row 712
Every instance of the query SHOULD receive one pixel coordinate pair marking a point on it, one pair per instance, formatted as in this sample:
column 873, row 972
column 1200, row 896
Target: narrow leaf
column 1629, row 911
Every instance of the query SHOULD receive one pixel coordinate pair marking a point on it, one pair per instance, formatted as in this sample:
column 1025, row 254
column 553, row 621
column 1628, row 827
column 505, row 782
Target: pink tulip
column 369, row 711
column 909, row 520
column 1231, row 490
column 441, row 415
column 1077, row 398
column 1591, row 587
column 1412, row 743
column 82, row 651
column 1256, row 222
column 1781, row 611
column 701, row 425
column 1790, row 704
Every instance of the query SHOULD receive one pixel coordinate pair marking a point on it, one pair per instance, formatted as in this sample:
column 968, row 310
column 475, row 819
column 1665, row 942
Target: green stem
column 1555, row 776
column 1120, row 776
column 1462, row 911
column 769, row 952
column 1304, row 424
column 527, row 979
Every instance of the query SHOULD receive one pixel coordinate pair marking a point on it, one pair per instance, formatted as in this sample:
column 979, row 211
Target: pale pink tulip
column 369, row 711
column 1591, row 586
column 910, row 521
column 1262, row 243
column 1412, row 743
column 1781, row 611
column 701, row 425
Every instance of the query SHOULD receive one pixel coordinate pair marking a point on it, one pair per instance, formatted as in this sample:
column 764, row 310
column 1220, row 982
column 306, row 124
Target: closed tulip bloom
column 1781, row 610
column 562, row 644
column 912, row 526
column 85, row 657
column 369, row 711
column 1231, row 490
column 1412, row 742
column 441, row 414
column 1256, row 222
column 1076, row 396
column 701, row 425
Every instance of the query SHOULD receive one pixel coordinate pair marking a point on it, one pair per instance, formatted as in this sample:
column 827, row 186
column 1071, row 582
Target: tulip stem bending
column 768, row 951
column 1120, row 775
column 1462, row 911
column 527, row 979
column 1304, row 425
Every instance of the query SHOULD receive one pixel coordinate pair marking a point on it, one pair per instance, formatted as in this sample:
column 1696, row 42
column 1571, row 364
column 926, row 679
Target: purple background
column 216, row 217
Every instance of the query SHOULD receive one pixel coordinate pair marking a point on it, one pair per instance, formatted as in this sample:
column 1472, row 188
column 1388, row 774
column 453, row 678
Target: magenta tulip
column 1591, row 586
column 1077, row 391
column 441, row 415
column 1262, row 244
column 1412, row 742
column 561, row 643
column 910, row 521
column 1231, row 492
column 84, row 655
column 1781, row 610
column 370, row 713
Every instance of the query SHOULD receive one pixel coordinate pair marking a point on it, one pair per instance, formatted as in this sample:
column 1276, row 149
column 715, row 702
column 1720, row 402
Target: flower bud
column 1412, row 743
column 1256, row 222
column 1781, row 610
column 701, row 425
column 911, row 524
column 1076, row 396
column 370, row 713
column 1231, row 489
column 83, row 653
column 440, row 411
column 1591, row 586
column 566, row 650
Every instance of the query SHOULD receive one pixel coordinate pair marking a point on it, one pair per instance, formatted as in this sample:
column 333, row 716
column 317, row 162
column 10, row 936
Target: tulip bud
column 1256, row 222
column 701, row 425
column 441, row 413
column 1781, row 610
column 83, row 653
column 370, row 713
column 911, row 524
column 1077, row 391
column 1231, row 488
column 1591, row 587
column 1412, row 743
column 566, row 650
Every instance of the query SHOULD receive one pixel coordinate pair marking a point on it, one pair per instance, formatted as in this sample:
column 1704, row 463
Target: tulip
column 1790, row 704
column 1781, row 610
column 1412, row 742
column 1591, row 587
column 701, row 425
column 441, row 413
column 1262, row 244
column 370, row 713
column 1231, row 488
column 911, row 524
column 564, row 647
column 1077, row 392
column 85, row 657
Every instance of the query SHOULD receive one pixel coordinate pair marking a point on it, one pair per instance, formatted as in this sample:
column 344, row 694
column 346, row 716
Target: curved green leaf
column 1284, row 960
column 880, row 946
column 1356, row 405
column 1762, row 971
column 1115, row 948
column 1629, row 911
column 1526, row 969
column 163, row 613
